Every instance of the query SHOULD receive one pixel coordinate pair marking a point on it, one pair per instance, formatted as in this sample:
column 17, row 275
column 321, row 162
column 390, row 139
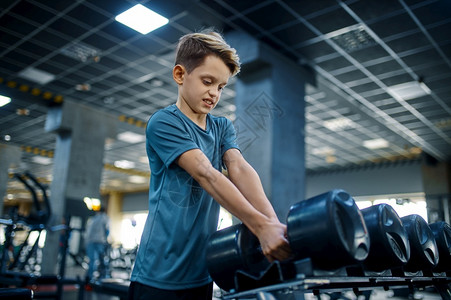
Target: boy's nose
column 213, row 92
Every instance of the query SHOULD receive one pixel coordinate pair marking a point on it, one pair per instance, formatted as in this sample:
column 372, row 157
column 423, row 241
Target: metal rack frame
column 295, row 289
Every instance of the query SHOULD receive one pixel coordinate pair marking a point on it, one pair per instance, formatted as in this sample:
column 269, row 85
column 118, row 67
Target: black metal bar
column 23, row 178
column 45, row 197
column 444, row 290
column 330, row 284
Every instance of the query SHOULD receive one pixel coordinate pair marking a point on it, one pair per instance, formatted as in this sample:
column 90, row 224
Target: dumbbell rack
column 295, row 289
column 336, row 248
column 289, row 286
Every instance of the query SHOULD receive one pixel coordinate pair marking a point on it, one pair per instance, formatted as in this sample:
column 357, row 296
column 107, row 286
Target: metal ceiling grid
column 332, row 61
column 359, row 50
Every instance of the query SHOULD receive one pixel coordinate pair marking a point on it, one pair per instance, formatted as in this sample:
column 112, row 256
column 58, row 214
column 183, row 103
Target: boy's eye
column 207, row 82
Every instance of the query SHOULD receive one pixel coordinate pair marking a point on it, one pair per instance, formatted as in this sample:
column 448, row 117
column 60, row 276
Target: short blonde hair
column 194, row 47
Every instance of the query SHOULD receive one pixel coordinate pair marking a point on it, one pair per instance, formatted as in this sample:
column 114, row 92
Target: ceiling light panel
column 4, row 100
column 131, row 137
column 42, row 160
column 409, row 90
column 323, row 151
column 137, row 179
column 338, row 124
column 81, row 52
column 375, row 144
column 352, row 38
column 124, row 164
column 141, row 19
column 36, row 75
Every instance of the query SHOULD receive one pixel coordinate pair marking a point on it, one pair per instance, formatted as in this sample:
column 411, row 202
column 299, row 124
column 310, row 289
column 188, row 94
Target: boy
column 187, row 147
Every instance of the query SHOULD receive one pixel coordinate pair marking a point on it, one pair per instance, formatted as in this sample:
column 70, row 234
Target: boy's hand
column 273, row 241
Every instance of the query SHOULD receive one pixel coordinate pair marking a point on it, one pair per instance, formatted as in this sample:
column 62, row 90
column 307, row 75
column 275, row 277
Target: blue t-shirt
column 182, row 215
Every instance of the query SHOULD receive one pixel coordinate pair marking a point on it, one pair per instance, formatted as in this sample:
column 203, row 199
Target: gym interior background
column 350, row 94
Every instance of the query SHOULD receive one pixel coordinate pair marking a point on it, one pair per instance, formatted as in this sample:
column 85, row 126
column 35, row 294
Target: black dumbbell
column 231, row 249
column 390, row 246
column 424, row 254
column 442, row 234
column 16, row 293
column 329, row 229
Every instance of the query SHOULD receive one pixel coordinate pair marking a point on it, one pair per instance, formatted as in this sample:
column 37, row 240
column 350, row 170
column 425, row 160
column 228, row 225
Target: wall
column 135, row 202
column 398, row 178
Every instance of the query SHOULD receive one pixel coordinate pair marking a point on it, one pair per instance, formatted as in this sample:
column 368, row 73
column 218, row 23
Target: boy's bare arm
column 270, row 232
column 246, row 179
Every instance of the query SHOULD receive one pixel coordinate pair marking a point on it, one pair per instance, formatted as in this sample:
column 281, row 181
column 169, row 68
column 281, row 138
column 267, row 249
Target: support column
column 115, row 213
column 270, row 119
column 9, row 158
column 78, row 164
column 437, row 188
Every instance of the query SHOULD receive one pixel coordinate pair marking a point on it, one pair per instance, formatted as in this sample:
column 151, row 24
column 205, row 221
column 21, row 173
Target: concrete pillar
column 78, row 164
column 114, row 211
column 9, row 158
column 437, row 188
column 270, row 119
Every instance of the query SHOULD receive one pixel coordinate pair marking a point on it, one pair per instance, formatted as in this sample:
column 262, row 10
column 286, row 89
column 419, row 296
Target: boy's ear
column 178, row 73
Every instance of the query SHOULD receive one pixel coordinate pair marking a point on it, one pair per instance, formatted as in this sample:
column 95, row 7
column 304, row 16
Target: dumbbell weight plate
column 389, row 241
column 442, row 234
column 329, row 229
column 231, row 249
column 423, row 247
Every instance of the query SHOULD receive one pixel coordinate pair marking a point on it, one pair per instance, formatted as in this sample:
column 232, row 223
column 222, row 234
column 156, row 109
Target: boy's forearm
column 246, row 179
column 223, row 190
column 270, row 232
column 230, row 197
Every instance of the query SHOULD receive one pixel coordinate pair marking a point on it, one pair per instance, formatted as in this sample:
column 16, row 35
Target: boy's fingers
column 282, row 252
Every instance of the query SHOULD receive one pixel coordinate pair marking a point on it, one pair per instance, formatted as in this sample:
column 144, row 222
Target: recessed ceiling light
column 338, row 124
column 22, row 112
column 141, row 19
column 109, row 100
column 42, row 160
column 4, row 100
column 137, row 179
column 352, row 38
column 331, row 159
column 83, row 87
column 36, row 75
column 375, row 144
column 155, row 82
column 124, row 164
column 115, row 182
column 323, row 151
column 409, row 90
column 131, row 137
column 81, row 52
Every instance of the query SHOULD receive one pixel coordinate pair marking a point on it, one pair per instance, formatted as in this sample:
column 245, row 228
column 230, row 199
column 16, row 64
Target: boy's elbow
column 239, row 168
column 206, row 175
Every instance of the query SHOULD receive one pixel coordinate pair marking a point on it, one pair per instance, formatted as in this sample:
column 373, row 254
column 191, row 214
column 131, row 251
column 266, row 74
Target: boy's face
column 200, row 90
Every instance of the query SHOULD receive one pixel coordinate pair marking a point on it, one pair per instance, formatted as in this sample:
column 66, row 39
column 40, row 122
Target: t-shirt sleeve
column 165, row 133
